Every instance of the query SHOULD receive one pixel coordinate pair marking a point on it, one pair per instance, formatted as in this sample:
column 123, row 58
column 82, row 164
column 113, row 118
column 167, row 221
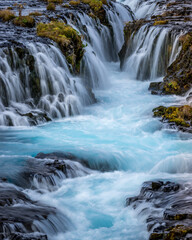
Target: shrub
column 24, row 21
column 6, row 15
column 35, row 14
column 51, row 7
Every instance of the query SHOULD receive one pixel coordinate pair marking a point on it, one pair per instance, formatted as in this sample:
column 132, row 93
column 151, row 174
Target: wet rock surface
column 167, row 206
column 20, row 216
column 176, row 116
column 47, row 170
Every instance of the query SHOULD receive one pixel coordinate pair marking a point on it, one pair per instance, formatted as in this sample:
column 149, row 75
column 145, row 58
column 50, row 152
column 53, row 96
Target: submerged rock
column 167, row 207
column 46, row 171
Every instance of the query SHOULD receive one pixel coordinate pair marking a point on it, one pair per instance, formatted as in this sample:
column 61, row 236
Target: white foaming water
column 62, row 94
column 143, row 9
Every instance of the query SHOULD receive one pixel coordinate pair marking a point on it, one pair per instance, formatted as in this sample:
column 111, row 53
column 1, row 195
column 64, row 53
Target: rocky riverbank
column 167, row 206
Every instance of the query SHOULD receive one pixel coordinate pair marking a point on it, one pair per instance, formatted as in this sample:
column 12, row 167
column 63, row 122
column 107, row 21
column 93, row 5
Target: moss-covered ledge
column 68, row 40
column 94, row 8
column 179, row 116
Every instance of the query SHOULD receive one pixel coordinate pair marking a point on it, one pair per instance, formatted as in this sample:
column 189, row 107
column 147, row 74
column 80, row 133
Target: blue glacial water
column 119, row 131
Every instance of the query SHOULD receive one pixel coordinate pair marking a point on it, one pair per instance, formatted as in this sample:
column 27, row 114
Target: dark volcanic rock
column 28, row 236
column 46, row 170
column 22, row 218
column 167, row 207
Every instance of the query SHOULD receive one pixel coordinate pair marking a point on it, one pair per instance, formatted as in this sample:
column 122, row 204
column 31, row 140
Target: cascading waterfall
column 60, row 94
column 150, row 51
column 121, row 142
column 143, row 9
column 103, row 42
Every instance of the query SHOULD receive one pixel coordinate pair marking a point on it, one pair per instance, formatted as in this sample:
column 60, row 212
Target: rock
column 167, row 206
column 28, row 236
column 180, row 117
column 129, row 29
column 28, row 217
column 36, row 117
column 68, row 40
column 46, row 170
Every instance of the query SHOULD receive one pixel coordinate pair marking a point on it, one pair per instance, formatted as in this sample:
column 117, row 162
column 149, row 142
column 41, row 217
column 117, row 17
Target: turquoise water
column 119, row 131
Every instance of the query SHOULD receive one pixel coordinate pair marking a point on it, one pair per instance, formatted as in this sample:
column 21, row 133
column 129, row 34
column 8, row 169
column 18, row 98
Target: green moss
column 51, row 7
column 24, row 21
column 36, row 14
column 74, row 3
column 95, row 5
column 6, row 15
column 67, row 38
column 172, row 87
column 156, row 236
column 186, row 41
column 177, row 232
column 181, row 116
column 160, row 22
column 55, row 1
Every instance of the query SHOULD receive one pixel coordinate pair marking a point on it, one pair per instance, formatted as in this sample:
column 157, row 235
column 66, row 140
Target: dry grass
column 6, row 15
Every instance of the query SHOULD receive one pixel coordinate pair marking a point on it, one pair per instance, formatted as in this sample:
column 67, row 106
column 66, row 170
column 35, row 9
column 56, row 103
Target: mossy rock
column 51, row 7
column 156, row 236
column 160, row 22
column 24, row 21
column 180, row 116
column 68, row 40
column 177, row 232
column 94, row 8
column 178, row 78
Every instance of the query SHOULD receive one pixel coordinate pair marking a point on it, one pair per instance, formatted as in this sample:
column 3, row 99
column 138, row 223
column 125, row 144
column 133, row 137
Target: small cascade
column 103, row 42
column 62, row 94
column 23, row 218
column 106, row 39
column 36, row 86
column 150, row 51
column 117, row 18
column 143, row 9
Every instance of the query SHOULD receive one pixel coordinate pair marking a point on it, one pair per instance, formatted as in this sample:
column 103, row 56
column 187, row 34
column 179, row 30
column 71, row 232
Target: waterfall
column 144, row 9
column 36, row 85
column 48, row 89
column 150, row 51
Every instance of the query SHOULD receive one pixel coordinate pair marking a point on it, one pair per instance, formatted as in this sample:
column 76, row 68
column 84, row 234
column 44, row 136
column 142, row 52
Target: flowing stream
column 117, row 131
